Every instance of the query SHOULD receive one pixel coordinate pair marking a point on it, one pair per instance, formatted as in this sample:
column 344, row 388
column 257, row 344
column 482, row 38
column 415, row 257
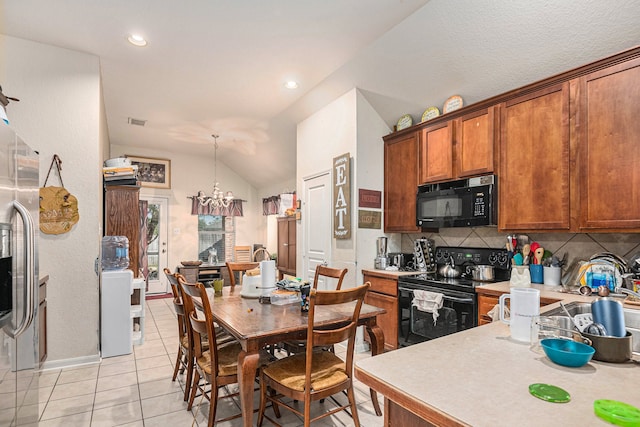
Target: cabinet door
column 474, row 143
column 400, row 183
column 291, row 239
column 122, row 218
column 436, row 153
column 534, row 161
column 485, row 304
column 608, row 133
column 283, row 244
column 388, row 322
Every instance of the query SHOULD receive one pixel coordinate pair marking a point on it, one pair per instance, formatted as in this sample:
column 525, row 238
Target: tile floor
column 136, row 390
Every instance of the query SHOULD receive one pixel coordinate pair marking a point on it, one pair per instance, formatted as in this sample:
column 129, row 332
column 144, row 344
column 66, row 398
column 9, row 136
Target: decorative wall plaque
column 404, row 122
column 452, row 104
column 342, row 197
column 430, row 113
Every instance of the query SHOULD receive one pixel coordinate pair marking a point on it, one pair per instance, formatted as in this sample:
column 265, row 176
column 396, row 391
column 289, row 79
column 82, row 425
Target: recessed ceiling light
column 137, row 40
column 291, row 84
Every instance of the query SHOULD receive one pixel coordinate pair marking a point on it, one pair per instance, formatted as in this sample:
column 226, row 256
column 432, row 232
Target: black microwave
column 468, row 202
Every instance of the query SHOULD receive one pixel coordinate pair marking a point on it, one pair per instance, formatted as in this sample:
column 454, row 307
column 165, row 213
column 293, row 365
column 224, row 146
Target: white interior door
column 316, row 224
column 157, row 249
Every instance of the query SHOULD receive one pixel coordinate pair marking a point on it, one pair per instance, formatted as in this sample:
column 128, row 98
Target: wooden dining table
column 256, row 325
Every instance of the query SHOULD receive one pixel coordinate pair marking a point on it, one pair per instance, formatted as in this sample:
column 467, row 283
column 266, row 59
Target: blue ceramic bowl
column 567, row 353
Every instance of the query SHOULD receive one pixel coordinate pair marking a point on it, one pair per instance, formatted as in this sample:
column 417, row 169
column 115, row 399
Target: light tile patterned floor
column 136, row 390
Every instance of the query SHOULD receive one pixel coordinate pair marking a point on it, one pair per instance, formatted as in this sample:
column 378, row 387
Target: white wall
column 370, row 176
column 326, row 134
column 348, row 124
column 188, row 175
column 61, row 112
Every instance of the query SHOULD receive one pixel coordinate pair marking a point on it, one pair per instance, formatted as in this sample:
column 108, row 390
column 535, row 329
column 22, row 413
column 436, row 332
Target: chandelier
column 218, row 197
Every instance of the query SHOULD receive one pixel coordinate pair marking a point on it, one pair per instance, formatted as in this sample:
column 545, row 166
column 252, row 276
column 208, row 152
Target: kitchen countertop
column 480, row 377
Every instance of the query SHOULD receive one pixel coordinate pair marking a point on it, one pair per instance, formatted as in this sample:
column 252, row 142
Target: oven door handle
column 445, row 296
column 455, row 299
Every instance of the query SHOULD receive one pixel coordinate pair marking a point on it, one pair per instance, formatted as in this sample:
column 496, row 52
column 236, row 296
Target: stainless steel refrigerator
column 19, row 204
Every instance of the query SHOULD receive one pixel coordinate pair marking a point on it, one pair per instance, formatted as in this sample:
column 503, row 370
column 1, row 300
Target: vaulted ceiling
column 219, row 67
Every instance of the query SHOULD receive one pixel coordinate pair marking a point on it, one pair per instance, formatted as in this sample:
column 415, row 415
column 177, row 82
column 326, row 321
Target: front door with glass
column 157, row 247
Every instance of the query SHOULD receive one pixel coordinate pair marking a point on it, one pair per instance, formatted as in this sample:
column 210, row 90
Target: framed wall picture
column 154, row 173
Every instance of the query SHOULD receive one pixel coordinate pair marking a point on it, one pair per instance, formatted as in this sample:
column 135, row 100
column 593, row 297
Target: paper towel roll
column 268, row 274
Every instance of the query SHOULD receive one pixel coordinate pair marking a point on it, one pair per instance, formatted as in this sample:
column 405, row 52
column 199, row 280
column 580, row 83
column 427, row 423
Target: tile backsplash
column 578, row 246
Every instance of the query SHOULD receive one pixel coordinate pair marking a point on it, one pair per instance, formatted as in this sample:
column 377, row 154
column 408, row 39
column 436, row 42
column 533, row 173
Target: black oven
column 459, row 312
column 459, row 309
column 463, row 203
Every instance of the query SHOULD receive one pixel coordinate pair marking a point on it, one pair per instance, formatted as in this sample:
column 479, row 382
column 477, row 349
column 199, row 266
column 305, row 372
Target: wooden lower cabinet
column 384, row 294
column 396, row 416
column 485, row 304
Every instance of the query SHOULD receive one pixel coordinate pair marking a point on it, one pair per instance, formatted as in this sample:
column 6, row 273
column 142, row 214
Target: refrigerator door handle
column 29, row 270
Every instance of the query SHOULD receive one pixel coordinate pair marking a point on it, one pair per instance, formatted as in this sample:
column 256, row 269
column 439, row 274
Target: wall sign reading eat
column 342, row 197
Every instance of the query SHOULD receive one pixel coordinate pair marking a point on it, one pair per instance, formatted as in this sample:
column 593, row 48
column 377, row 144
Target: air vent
column 136, row 122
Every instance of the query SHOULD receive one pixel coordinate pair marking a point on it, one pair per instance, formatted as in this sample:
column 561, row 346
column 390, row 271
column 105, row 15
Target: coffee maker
column 382, row 258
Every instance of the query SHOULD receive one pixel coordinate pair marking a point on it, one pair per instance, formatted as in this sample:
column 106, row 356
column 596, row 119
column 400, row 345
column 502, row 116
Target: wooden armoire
column 122, row 218
column 286, row 246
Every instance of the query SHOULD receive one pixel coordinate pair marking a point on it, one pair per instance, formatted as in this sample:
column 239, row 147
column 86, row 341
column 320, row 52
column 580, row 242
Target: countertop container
column 609, row 313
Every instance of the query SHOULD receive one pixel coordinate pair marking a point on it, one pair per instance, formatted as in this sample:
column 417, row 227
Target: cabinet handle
column 285, row 244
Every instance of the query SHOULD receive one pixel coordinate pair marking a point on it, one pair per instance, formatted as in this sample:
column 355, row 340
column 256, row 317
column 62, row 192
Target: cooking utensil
column 603, row 291
column 585, row 290
column 537, row 254
column 533, row 246
column 612, row 349
column 526, row 250
column 517, row 259
column 568, row 314
column 450, row 270
column 580, row 321
column 483, row 273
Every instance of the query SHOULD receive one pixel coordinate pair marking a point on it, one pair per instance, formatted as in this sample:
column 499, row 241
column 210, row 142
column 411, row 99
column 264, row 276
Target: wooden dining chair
column 323, row 273
column 315, row 375
column 216, row 365
column 242, row 253
column 240, row 268
column 184, row 359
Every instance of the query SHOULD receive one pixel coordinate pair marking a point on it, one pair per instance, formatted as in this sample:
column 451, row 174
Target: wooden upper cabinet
column 458, row 148
column 533, row 190
column 436, row 153
column 607, row 136
column 475, row 143
column 400, row 182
